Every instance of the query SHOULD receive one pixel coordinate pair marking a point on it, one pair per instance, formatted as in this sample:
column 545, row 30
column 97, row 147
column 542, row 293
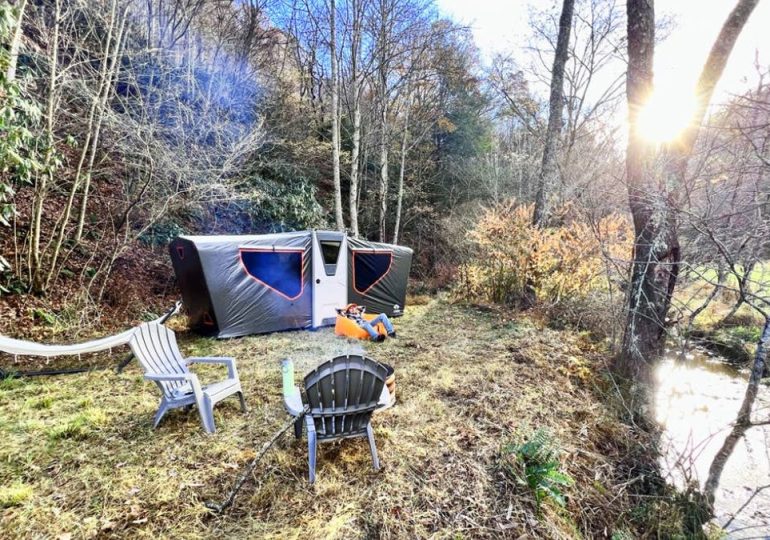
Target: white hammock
column 20, row 347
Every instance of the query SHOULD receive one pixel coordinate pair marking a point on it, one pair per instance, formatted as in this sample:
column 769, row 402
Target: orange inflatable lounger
column 349, row 328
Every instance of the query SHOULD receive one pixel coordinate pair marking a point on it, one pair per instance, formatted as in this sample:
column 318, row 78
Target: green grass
column 14, row 495
column 80, row 457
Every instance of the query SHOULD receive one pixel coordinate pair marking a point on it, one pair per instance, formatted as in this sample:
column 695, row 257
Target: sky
column 501, row 26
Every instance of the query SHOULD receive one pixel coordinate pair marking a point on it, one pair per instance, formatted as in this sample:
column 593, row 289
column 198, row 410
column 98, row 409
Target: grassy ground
column 78, row 456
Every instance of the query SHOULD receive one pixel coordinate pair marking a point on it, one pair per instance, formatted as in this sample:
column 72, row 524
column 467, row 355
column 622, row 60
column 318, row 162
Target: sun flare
column 666, row 115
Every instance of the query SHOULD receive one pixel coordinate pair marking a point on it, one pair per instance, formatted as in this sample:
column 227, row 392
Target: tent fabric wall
column 240, row 285
column 378, row 275
column 192, row 283
column 247, row 293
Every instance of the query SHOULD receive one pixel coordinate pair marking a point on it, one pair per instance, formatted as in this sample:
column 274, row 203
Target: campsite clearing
column 82, row 458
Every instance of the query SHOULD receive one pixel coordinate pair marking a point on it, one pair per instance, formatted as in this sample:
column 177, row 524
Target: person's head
column 352, row 308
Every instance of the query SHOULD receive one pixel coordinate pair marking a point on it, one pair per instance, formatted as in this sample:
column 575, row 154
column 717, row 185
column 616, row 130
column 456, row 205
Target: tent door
column 330, row 276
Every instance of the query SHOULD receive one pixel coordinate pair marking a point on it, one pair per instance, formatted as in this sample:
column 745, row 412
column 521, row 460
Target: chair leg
column 162, row 410
column 372, row 446
column 243, row 402
column 298, row 429
column 312, row 447
column 207, row 415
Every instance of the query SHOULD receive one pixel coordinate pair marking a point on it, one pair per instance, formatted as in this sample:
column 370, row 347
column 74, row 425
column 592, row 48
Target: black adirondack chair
column 341, row 396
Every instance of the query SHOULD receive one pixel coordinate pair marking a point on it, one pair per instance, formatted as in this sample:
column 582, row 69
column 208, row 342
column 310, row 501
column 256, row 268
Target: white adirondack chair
column 155, row 347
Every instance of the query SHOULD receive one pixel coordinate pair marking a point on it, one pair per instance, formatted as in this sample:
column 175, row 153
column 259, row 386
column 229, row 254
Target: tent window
column 279, row 270
column 369, row 267
column 330, row 251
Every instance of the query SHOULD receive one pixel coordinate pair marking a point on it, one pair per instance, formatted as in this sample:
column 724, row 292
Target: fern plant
column 536, row 464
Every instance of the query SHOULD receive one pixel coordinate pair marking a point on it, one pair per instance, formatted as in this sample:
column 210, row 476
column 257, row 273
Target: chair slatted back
column 343, row 393
column 155, row 347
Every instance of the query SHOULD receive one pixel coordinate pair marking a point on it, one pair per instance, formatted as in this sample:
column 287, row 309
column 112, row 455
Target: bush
column 563, row 266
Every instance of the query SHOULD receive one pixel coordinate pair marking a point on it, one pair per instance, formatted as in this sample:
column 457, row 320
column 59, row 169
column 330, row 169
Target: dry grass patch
column 86, row 461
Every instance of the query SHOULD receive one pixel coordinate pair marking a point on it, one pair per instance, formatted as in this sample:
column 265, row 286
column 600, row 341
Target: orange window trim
column 370, row 251
column 272, row 250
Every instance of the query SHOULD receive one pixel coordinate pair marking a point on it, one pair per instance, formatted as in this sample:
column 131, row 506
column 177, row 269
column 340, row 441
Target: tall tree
column 384, row 52
column 357, row 13
column 10, row 73
column 655, row 178
column 335, row 83
column 549, row 171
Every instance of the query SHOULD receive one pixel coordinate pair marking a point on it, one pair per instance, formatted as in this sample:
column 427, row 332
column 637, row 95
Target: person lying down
column 355, row 313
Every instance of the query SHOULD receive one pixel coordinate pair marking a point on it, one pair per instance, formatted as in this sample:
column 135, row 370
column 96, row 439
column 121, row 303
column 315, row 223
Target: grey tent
column 239, row 285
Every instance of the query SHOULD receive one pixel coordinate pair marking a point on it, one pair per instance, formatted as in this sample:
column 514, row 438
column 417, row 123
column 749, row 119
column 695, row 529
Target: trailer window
column 330, row 251
column 280, row 270
column 369, row 267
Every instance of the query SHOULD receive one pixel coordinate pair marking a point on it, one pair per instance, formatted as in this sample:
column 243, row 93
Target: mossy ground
column 81, row 457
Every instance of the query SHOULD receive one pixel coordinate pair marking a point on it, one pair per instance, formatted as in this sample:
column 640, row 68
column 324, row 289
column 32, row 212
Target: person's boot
column 392, row 334
column 379, row 339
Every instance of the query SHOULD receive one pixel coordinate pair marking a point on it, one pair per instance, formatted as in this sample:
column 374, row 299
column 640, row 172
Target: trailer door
column 330, row 275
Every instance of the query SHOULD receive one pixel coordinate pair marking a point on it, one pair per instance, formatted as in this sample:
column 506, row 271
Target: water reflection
column 697, row 399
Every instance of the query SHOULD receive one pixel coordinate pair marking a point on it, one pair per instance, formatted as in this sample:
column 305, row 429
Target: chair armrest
column 293, row 402
column 384, row 400
column 232, row 371
column 162, row 377
column 192, row 378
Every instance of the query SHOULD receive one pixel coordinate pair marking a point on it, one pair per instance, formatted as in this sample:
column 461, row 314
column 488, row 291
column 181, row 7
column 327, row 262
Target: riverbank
column 78, row 455
column 697, row 400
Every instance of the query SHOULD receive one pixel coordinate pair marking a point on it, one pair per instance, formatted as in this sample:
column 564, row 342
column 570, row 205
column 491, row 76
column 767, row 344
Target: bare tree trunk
column 13, row 59
column 355, row 92
column 97, row 130
column 743, row 421
column 743, row 288
column 354, row 165
column 150, row 18
column 339, row 221
column 400, row 198
column 653, row 194
column 549, row 171
column 721, row 274
column 362, row 171
column 383, row 169
column 105, row 77
column 656, row 249
column 42, row 183
column 382, row 82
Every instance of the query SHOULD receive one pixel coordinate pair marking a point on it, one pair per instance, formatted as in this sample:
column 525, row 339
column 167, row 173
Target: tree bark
column 339, row 221
column 382, row 75
column 46, row 176
column 113, row 70
column 654, row 181
column 355, row 91
column 105, row 77
column 13, row 59
column 383, row 167
column 549, row 170
column 404, row 149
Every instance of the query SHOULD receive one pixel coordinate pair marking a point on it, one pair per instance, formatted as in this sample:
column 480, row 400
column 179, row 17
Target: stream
column 697, row 400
